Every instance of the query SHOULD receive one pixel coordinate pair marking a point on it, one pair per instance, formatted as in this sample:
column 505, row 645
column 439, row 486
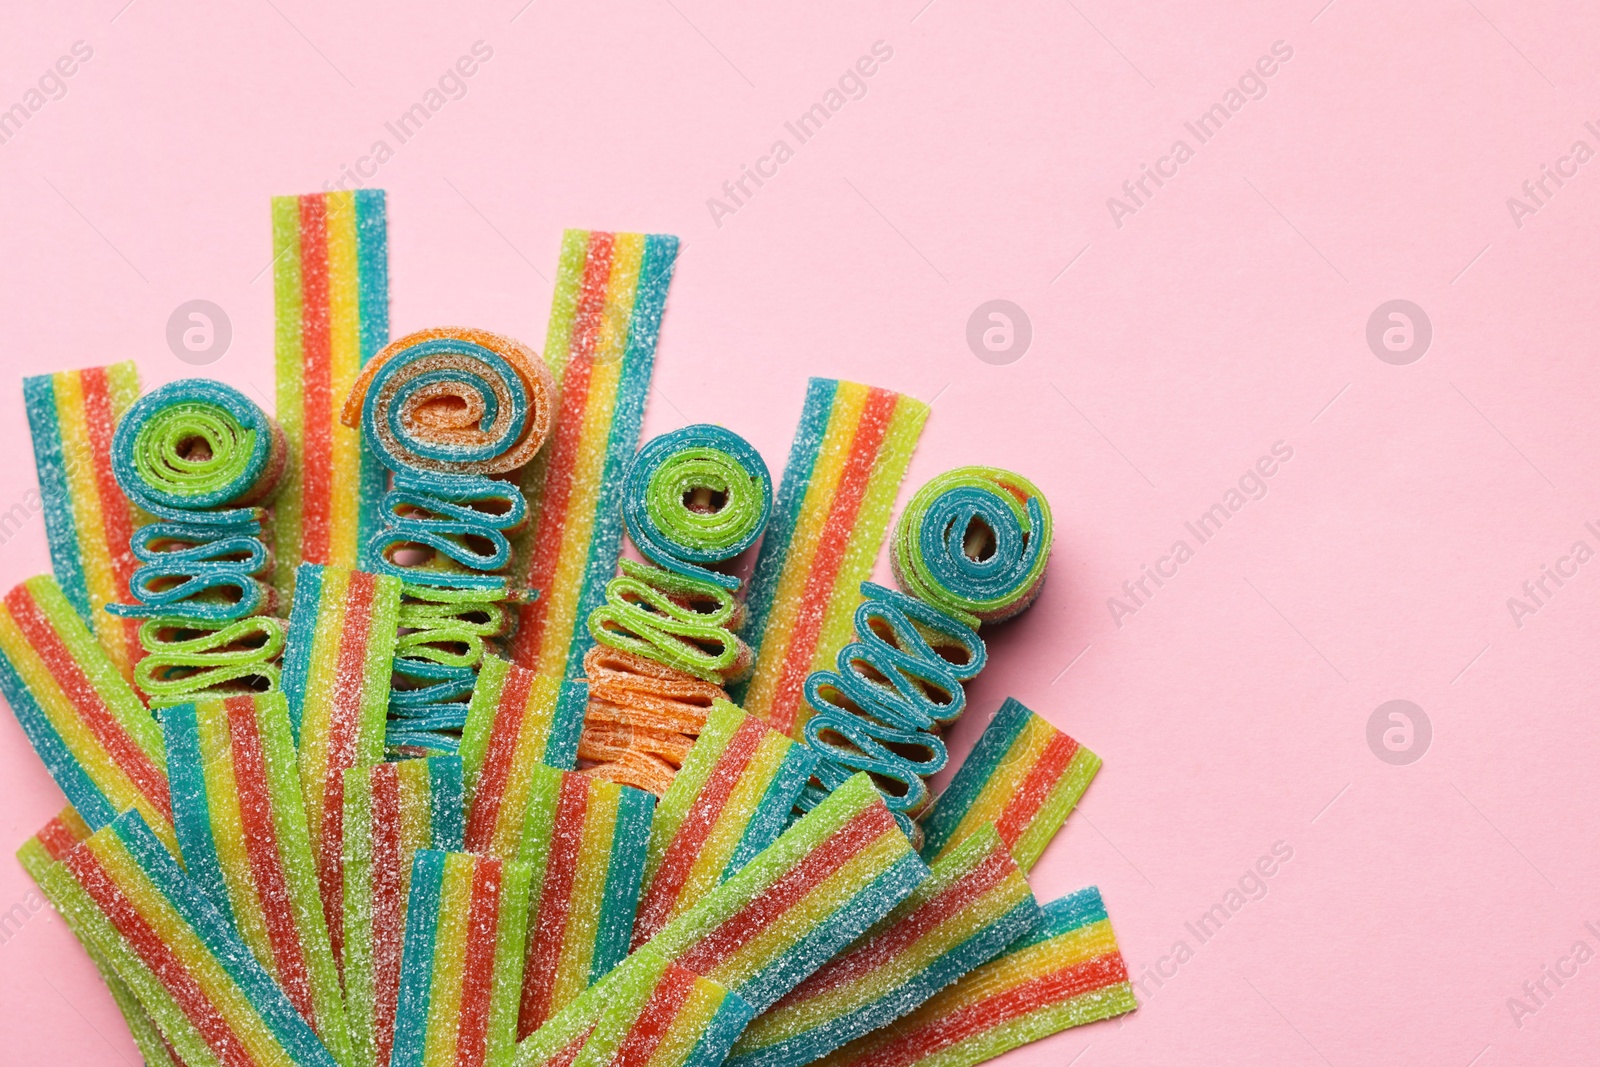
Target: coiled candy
column 681, row 621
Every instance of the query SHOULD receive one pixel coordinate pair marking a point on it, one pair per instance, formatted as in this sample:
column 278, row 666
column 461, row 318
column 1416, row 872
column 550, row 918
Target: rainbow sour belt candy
column 331, row 291
column 730, row 800
column 462, row 965
column 610, row 291
column 974, row 904
column 336, row 677
column 73, row 415
column 39, row 855
column 651, row 1013
column 829, row 877
column 1065, row 973
column 391, row 812
column 1023, row 776
column 213, row 1002
column 642, row 718
column 849, row 454
column 678, row 620
column 974, row 542
column 519, row 721
column 242, row 831
column 96, row 739
column 584, row 844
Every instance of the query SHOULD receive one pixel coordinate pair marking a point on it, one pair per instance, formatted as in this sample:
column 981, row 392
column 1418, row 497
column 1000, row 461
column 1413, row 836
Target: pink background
column 1228, row 313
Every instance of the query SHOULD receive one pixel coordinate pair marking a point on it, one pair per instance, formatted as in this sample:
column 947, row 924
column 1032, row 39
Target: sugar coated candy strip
column 730, row 800
column 519, row 722
column 330, row 271
column 584, row 843
column 829, row 520
column 336, row 676
column 974, row 903
column 462, row 964
column 97, row 740
column 828, row 878
column 41, row 854
column 1023, row 777
column 974, row 542
column 89, row 522
column 391, row 812
column 444, row 636
column 652, row 1012
column 694, row 497
column 611, row 289
column 681, row 621
column 242, row 831
column 1066, row 972
column 214, row 1003
column 642, row 718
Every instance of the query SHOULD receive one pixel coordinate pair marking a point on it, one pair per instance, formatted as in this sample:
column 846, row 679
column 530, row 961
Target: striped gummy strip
column 242, row 831
column 825, row 881
column 1065, row 973
column 41, row 854
column 828, row 523
column 642, row 718
column 730, row 800
column 331, row 286
column 611, row 289
column 87, row 518
column 391, row 812
column 584, row 844
column 517, row 722
column 974, row 904
column 462, row 964
column 211, row 999
column 650, row 1013
column 1023, row 776
column 342, row 632
column 87, row 724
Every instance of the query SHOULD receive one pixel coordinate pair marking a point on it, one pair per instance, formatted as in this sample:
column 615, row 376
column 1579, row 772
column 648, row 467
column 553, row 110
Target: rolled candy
column 697, row 496
column 519, row 722
column 974, row 903
column 642, row 718
column 678, row 620
column 610, row 291
column 462, row 964
column 650, row 1012
column 331, row 296
column 974, row 542
column 828, row 878
column 829, row 520
column 1023, row 777
column 391, row 812
column 584, row 844
column 99, row 743
column 87, row 518
column 336, row 678
column 730, row 800
column 242, row 831
column 212, row 1001
column 1066, row 972
column 41, row 854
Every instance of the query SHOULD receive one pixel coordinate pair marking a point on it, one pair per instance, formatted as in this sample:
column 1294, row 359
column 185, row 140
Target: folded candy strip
column 1023, row 777
column 583, row 843
column 730, row 800
column 391, row 812
column 605, row 317
column 462, row 964
column 88, row 726
column 242, row 832
column 87, row 518
column 1066, row 972
column 829, row 520
column 214, row 1003
column 642, row 718
column 828, row 878
column 41, row 854
column 973, row 904
column 336, row 677
column 330, row 271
